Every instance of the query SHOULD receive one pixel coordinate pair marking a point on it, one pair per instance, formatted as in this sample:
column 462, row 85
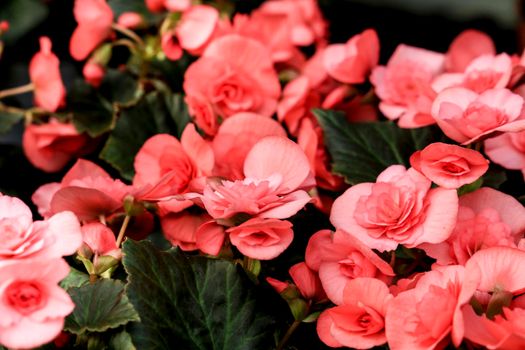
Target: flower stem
column 288, row 334
column 17, row 90
column 129, row 33
column 122, row 231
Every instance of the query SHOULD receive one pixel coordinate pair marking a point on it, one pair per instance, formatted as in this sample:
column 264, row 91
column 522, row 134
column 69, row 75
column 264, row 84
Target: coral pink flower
column 197, row 28
column 467, row 46
column 236, row 137
column 486, row 218
column 449, row 166
column 424, row 317
column 170, row 45
column 155, row 5
column 51, row 146
column 23, row 239
column 94, row 18
column 203, row 114
column 274, row 168
column 93, row 73
column 45, row 75
column 359, row 320
column 400, row 208
column 101, row 195
column 210, row 237
column 484, row 73
column 164, row 166
column 507, row 150
column 130, row 20
column 261, row 238
column 32, row 305
column 177, row 5
column 404, row 85
column 181, row 228
column 352, row 62
column 339, row 258
column 498, row 321
column 100, row 240
column 307, row 281
column 465, row 116
column 298, row 100
column 235, row 74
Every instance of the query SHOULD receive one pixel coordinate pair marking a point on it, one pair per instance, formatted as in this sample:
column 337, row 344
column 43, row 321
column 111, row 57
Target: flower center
column 25, row 297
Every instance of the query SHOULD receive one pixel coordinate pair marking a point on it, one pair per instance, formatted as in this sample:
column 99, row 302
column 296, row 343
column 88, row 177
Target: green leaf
column 494, row 177
column 470, row 187
column 155, row 113
column 178, row 111
column 75, row 278
column 360, row 151
column 99, row 306
column 138, row 6
column 121, row 341
column 194, row 302
column 23, row 15
column 8, row 120
column 118, row 87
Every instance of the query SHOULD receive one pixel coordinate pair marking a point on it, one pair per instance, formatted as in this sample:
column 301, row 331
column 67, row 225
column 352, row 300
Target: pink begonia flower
column 177, row 5
column 197, row 27
column 297, row 102
column 210, row 237
column 426, row 316
column 155, row 5
column 93, row 73
column 44, row 73
column 449, row 166
column 94, row 18
column 399, row 208
column 465, row 116
column 32, row 305
column 202, row 114
column 130, row 20
column 170, row 45
column 339, row 258
column 49, row 147
column 404, row 85
column 261, row 238
column 277, row 285
column 359, row 320
column 181, row 228
column 467, row 46
column 343, row 98
column 307, row 281
column 310, row 138
column 101, row 195
column 23, row 239
column 486, row 218
column 165, row 167
column 274, row 169
column 304, row 18
column 352, row 62
column 507, row 150
column 501, row 280
column 484, row 73
column 235, row 74
column 100, row 239
column 236, row 137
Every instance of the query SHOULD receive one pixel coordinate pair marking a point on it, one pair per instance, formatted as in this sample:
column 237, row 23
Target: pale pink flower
column 400, row 208
column 49, row 147
column 404, row 85
column 467, row 46
column 358, row 321
column 352, row 62
column 274, row 170
column 32, row 305
column 449, row 166
column 234, row 74
column 261, row 238
column 507, row 150
column 94, row 19
column 427, row 316
column 100, row 240
column 339, row 258
column 130, row 20
column 466, row 116
column 484, row 73
column 44, row 73
column 197, row 27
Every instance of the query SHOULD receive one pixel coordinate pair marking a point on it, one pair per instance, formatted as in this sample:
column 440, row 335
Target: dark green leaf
column 494, row 177
column 138, row 6
column 99, row 306
column 75, row 278
column 360, row 151
column 23, row 15
column 8, row 120
column 137, row 123
column 470, row 187
column 178, row 111
column 119, row 87
column 194, row 302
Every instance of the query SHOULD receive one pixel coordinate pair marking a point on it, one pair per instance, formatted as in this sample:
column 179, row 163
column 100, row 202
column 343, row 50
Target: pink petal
column 199, row 150
column 197, row 26
column 210, row 237
column 93, row 204
column 466, row 47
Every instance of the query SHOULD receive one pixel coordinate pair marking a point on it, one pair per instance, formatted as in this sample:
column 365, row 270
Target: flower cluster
column 423, row 254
